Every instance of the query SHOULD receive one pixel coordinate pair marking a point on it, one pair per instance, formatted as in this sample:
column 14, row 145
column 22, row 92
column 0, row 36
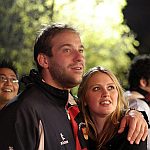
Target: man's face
column 66, row 66
column 147, row 86
column 8, row 89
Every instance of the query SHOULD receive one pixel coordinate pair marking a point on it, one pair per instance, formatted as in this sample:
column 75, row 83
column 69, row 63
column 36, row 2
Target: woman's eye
column 96, row 88
column 111, row 87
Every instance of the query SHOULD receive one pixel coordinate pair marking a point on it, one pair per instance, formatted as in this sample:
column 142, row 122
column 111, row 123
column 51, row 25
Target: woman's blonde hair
column 112, row 123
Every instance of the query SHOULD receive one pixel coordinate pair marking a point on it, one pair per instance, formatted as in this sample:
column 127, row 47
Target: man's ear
column 42, row 60
column 143, row 83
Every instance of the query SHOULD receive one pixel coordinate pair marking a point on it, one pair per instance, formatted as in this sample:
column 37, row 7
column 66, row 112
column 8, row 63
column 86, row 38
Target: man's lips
column 77, row 67
column 7, row 90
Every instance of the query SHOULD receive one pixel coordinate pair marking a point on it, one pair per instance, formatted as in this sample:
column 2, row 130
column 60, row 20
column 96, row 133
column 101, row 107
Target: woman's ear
column 143, row 83
column 42, row 60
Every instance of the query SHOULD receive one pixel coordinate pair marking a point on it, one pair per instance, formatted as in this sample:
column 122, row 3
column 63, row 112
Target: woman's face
column 101, row 95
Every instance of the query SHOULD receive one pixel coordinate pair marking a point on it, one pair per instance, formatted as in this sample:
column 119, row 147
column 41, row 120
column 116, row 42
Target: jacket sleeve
column 26, row 134
column 18, row 127
column 120, row 142
column 127, row 146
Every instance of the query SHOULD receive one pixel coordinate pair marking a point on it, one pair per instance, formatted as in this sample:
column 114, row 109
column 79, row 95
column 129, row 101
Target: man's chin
column 73, row 84
column 76, row 83
column 8, row 98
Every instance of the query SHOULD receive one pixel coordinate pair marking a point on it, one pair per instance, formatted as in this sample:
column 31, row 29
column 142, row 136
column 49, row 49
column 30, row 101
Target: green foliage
column 106, row 38
column 20, row 20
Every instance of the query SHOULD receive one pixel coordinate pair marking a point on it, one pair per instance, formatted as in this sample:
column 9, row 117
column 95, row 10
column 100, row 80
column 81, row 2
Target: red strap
column 73, row 112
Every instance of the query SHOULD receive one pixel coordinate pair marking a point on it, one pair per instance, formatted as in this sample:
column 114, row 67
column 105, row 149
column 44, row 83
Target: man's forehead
column 7, row 71
column 67, row 32
column 66, row 37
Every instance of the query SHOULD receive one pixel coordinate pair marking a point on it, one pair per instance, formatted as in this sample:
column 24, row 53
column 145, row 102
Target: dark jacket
column 120, row 142
column 40, row 107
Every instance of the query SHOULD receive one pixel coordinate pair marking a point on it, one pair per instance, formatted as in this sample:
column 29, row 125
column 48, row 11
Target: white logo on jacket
column 63, row 142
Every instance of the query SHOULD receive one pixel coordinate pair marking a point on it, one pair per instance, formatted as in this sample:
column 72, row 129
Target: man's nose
column 79, row 56
column 8, row 82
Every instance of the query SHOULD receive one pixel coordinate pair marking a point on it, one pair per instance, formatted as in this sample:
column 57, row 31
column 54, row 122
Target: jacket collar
column 35, row 79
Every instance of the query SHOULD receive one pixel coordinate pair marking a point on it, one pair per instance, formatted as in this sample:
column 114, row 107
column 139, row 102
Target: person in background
column 138, row 95
column 45, row 116
column 9, row 85
column 102, row 105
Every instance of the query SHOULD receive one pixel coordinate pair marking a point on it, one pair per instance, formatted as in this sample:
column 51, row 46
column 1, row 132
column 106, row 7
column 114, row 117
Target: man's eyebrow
column 65, row 45
column 1, row 74
column 81, row 46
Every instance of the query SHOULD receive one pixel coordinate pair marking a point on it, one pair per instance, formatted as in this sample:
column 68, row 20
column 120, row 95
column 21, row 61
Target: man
column 40, row 117
column 8, row 82
column 139, row 82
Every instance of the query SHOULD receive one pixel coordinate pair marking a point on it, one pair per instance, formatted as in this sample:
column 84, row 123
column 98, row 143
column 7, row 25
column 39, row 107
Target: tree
column 18, row 29
column 106, row 38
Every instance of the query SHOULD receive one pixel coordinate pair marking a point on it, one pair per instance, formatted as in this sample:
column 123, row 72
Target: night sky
column 137, row 16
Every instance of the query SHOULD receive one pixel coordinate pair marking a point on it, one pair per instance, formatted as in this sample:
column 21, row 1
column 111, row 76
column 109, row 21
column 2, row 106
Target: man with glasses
column 8, row 82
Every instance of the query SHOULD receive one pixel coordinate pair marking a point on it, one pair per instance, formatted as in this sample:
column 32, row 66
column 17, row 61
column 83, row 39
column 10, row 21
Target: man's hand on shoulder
column 138, row 127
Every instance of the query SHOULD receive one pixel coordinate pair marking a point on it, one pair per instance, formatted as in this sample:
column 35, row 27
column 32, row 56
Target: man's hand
column 138, row 127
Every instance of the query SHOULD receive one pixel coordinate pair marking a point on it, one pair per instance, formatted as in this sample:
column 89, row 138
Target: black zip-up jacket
column 119, row 142
column 37, row 119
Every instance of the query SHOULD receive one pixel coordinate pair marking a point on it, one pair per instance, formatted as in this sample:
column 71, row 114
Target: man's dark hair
column 43, row 40
column 8, row 64
column 140, row 68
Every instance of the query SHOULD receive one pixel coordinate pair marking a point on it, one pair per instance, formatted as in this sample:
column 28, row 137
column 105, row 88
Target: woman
column 102, row 105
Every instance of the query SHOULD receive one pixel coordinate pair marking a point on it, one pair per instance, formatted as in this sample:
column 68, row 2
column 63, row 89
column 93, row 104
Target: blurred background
column 113, row 31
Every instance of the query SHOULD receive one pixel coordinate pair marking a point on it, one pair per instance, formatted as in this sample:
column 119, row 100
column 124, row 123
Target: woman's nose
column 105, row 93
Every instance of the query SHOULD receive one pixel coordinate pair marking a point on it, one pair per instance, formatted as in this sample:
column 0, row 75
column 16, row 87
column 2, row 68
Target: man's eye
column 15, row 81
column 3, row 78
column 67, row 50
column 81, row 50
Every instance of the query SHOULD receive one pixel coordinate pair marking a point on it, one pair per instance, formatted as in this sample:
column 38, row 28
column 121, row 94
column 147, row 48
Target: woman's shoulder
column 120, row 142
column 91, row 144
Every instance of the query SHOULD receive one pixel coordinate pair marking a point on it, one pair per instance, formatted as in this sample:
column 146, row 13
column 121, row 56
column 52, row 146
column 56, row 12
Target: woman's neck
column 99, row 123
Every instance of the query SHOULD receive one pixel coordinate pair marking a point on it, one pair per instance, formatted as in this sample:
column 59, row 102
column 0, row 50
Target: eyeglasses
column 5, row 79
